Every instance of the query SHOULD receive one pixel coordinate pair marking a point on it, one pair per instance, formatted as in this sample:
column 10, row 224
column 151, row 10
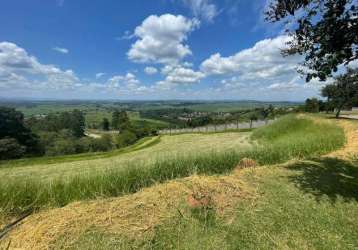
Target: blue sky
column 140, row 49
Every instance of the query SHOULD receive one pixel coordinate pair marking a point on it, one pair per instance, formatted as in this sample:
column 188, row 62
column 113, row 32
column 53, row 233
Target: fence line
column 216, row 128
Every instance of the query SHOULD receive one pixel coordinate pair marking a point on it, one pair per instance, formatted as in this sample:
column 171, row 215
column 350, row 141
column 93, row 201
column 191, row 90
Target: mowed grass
column 145, row 153
column 298, row 137
column 301, row 205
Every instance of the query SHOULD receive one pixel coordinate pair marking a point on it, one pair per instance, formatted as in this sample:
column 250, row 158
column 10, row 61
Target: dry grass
column 350, row 149
column 131, row 215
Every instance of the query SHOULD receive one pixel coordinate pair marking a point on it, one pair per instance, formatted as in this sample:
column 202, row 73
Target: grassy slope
column 49, row 160
column 143, row 153
column 307, row 138
column 301, row 205
column 304, row 205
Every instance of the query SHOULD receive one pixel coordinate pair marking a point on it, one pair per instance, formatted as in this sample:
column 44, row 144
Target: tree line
column 62, row 134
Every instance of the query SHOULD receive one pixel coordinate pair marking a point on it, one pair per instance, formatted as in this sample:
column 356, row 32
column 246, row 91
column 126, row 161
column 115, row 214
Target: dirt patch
column 350, row 149
column 131, row 215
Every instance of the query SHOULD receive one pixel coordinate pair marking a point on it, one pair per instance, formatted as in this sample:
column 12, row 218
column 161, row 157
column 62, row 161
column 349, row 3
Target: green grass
column 304, row 205
column 46, row 160
column 307, row 139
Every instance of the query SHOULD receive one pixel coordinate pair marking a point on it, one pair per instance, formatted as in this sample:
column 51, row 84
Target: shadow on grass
column 329, row 177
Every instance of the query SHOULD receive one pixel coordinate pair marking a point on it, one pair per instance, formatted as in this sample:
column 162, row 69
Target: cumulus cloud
column 181, row 75
column 128, row 79
column 263, row 60
column 161, row 39
column 150, row 70
column 261, row 70
column 202, row 9
column 61, row 50
column 127, row 85
column 21, row 69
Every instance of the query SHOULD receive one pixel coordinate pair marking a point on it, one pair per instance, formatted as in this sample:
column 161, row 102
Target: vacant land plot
column 291, row 137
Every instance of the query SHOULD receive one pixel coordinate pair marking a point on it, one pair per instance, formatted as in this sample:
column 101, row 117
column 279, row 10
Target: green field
column 168, row 147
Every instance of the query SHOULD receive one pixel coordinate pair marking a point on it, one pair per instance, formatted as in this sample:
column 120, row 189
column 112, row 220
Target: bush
column 11, row 149
column 99, row 144
column 125, row 138
column 63, row 147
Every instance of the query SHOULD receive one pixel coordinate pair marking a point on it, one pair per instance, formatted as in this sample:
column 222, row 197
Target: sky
column 146, row 50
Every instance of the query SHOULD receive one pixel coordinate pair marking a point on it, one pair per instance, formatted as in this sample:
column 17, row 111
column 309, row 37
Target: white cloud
column 283, row 86
column 161, row 39
column 178, row 75
column 127, row 36
column 22, row 70
column 150, row 70
column 127, row 85
column 181, row 75
column 263, row 60
column 61, row 50
column 99, row 75
column 202, row 9
column 260, row 70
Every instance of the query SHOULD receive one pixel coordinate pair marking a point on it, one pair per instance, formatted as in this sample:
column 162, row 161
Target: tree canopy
column 325, row 31
column 343, row 92
column 15, row 136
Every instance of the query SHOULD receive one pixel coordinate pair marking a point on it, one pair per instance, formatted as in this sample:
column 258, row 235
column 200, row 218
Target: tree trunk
column 339, row 110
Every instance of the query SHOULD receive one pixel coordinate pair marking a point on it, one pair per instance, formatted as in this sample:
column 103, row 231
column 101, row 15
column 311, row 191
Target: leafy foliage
column 312, row 105
column 326, row 32
column 73, row 121
column 105, row 124
column 344, row 91
column 11, row 149
column 15, row 136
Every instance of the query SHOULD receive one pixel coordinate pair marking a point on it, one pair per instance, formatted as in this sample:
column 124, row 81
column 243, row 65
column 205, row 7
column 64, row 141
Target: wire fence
column 216, row 128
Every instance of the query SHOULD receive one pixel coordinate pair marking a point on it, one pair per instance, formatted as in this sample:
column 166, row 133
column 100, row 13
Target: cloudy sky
column 141, row 49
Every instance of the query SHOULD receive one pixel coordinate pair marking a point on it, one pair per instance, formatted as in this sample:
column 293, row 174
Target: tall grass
column 290, row 137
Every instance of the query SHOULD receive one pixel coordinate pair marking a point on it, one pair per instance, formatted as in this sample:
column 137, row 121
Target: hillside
column 296, row 198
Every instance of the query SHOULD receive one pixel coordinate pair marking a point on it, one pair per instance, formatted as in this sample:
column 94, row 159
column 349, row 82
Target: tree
column 312, row 105
column 77, row 125
column 125, row 138
column 267, row 112
column 253, row 117
column 325, row 31
column 115, row 120
column 11, row 149
column 123, row 121
column 343, row 91
column 12, row 126
column 105, row 124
